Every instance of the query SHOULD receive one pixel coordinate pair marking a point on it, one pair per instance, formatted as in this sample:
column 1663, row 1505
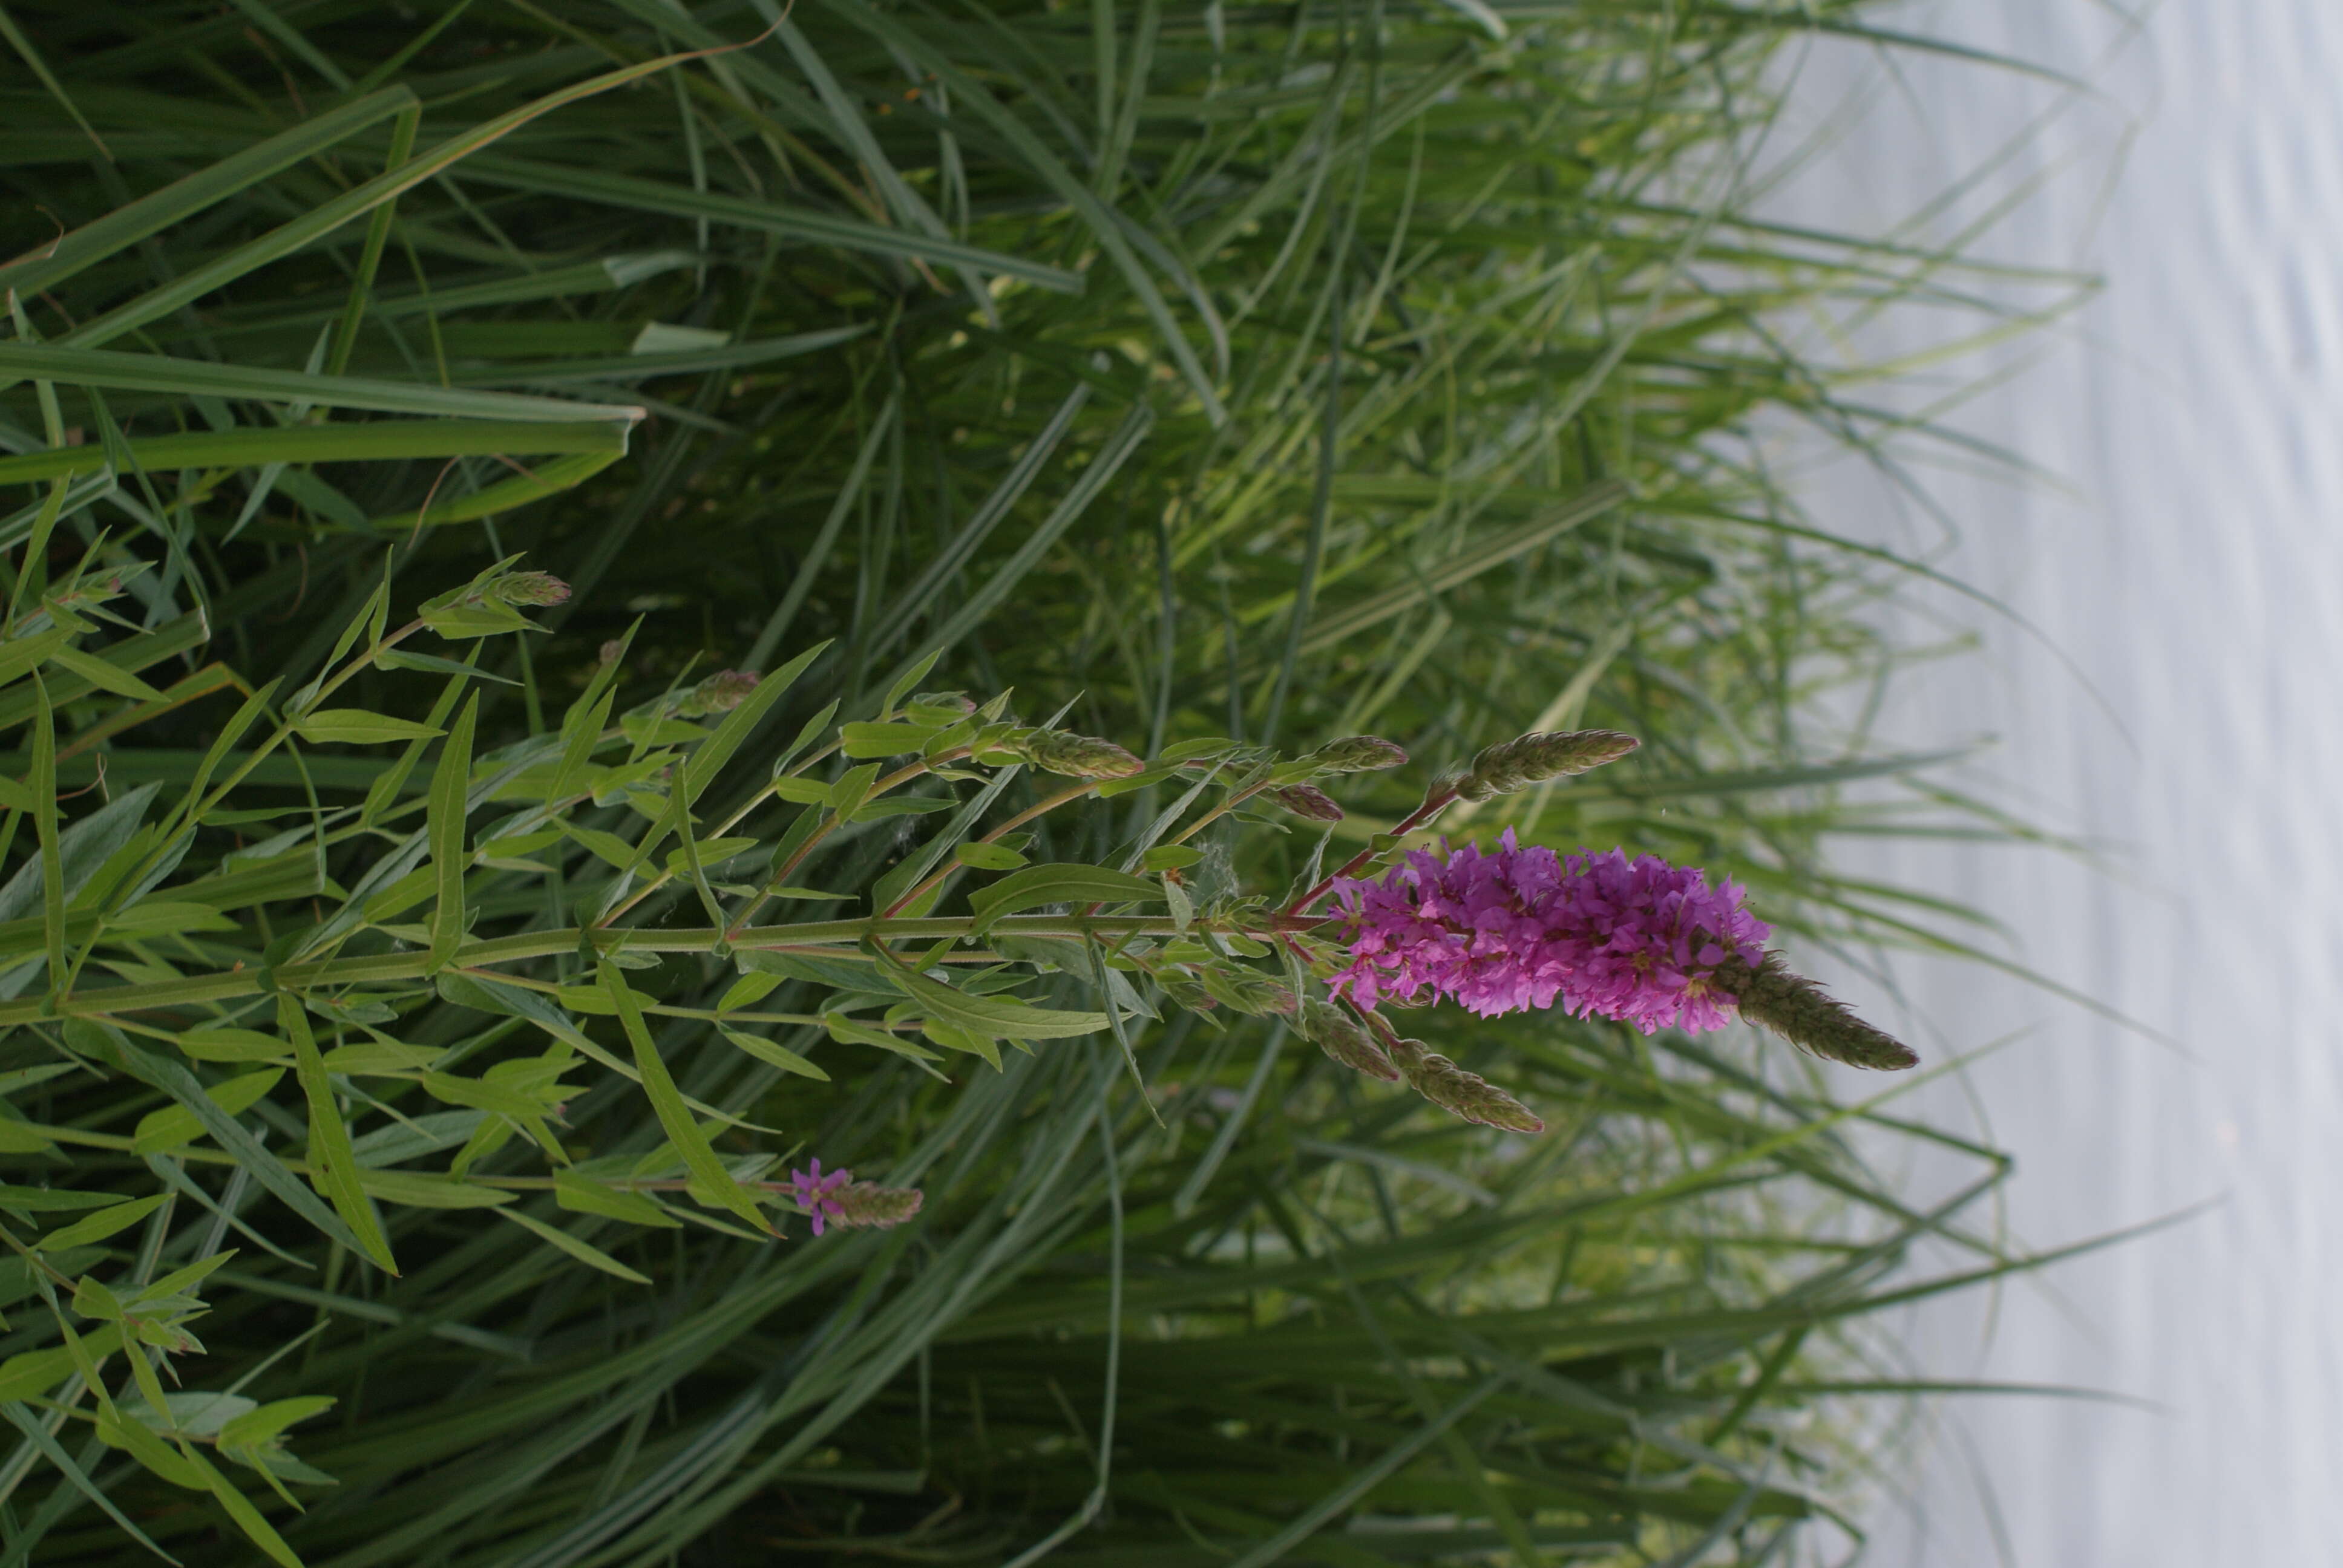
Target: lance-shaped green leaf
column 449, row 859
column 256, row 445
column 422, row 1190
column 356, row 726
column 323, row 218
column 109, row 1044
column 986, row 1016
column 110, row 368
column 591, row 1256
column 847, row 1031
column 175, row 1125
column 505, row 495
column 40, row 1200
column 103, row 675
column 35, row 1372
column 334, row 1166
column 1060, row 882
column 773, row 1053
column 584, row 1195
column 722, row 746
column 184, row 197
column 102, row 1224
column 258, row 1428
column 668, row 1103
column 240, row 1507
column 22, row 1418
column 43, row 783
column 22, row 656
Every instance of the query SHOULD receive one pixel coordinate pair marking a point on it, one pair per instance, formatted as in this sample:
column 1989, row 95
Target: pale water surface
column 2197, row 582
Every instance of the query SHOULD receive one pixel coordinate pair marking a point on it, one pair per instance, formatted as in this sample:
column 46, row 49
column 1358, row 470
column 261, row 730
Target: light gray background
column 2194, row 580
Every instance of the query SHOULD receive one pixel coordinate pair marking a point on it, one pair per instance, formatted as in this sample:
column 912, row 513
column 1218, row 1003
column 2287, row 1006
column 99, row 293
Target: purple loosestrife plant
column 1522, row 930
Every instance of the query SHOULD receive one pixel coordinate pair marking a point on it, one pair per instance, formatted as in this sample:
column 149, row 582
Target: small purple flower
column 1522, row 930
column 814, row 1191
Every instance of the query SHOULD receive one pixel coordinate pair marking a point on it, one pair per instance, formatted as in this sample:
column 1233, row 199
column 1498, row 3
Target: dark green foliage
column 1279, row 373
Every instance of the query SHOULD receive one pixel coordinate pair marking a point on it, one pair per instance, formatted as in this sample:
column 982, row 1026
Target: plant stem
column 781, row 873
column 833, row 938
column 1072, row 792
column 1433, row 804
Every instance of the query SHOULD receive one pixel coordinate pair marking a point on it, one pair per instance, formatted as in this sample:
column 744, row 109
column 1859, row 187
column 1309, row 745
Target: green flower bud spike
column 1075, row 756
column 1307, row 800
column 1357, row 754
column 720, row 693
column 534, row 589
column 1539, row 756
column 1798, row 1009
column 1459, row 1092
column 1344, row 1038
column 866, row 1205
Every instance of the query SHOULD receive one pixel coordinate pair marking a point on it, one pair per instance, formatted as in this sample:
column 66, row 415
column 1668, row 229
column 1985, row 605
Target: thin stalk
column 1072, row 792
column 780, row 876
column 1432, row 806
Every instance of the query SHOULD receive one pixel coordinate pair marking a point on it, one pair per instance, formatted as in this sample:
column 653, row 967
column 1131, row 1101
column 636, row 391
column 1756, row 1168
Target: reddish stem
column 1434, row 803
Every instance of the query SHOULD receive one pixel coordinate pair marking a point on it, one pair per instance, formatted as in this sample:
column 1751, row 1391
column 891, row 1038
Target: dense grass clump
column 1186, row 385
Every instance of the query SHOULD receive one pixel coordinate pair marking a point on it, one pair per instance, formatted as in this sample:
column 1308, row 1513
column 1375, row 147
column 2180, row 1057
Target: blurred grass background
column 1275, row 371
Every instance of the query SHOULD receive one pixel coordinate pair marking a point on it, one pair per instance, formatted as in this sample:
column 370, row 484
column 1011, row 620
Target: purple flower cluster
column 1521, row 929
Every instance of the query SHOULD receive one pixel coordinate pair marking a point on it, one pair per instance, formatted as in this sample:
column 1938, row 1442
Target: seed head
column 1356, row 754
column 1538, row 756
column 1307, row 800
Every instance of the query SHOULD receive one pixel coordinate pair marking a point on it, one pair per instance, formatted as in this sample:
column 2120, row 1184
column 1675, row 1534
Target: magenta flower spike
column 814, row 1193
column 1522, row 930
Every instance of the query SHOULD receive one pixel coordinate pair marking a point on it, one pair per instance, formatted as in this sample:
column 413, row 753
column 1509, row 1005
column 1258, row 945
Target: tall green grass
column 1270, row 372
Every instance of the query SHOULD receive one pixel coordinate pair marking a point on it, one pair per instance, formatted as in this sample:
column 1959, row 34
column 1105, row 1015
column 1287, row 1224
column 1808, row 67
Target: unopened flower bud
column 720, row 693
column 953, row 702
column 1307, row 800
column 1459, row 1092
column 532, row 588
column 1344, row 1038
column 1075, row 756
column 609, row 651
column 1357, row 754
column 1801, row 1012
column 1539, row 756
column 866, row 1205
